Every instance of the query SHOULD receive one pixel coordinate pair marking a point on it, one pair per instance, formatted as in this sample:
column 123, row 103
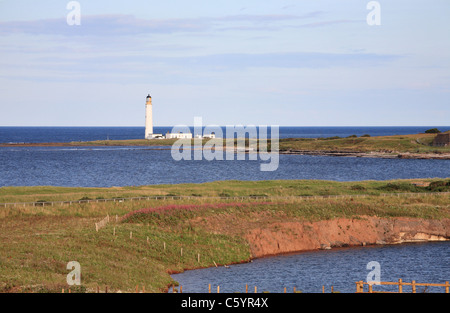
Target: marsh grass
column 38, row 242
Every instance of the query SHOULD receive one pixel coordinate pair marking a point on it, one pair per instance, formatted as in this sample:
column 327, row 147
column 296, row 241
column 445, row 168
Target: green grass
column 416, row 143
column 36, row 243
column 231, row 188
column 420, row 143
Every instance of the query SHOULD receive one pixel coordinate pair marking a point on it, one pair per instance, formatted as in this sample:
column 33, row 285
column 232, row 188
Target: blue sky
column 287, row 63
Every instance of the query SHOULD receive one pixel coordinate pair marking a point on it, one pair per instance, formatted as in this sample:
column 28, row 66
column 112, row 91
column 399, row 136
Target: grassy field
column 37, row 242
column 231, row 188
column 417, row 143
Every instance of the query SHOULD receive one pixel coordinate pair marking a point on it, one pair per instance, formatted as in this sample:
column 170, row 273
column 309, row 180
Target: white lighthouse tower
column 148, row 118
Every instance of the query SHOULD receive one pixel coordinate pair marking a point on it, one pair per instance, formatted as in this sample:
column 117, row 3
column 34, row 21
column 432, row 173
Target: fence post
column 400, row 287
column 413, row 284
column 447, row 287
column 209, row 288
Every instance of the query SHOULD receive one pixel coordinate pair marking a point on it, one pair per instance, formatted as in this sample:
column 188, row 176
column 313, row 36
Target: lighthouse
column 148, row 118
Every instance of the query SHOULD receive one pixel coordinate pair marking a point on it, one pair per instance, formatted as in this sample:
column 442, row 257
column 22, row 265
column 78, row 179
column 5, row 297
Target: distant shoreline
column 373, row 154
column 387, row 147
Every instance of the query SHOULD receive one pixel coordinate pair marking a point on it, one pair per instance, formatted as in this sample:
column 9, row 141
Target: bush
column 406, row 187
column 357, row 187
column 439, row 186
column 432, row 131
column 365, row 135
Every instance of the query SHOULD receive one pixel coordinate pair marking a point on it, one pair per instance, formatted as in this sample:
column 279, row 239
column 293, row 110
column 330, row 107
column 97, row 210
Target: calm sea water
column 131, row 166
column 340, row 268
column 68, row 134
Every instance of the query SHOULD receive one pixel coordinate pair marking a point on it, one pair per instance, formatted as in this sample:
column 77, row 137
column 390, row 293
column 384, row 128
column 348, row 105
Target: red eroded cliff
column 286, row 237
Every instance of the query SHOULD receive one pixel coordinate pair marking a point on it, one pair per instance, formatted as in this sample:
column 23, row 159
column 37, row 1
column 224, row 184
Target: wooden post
column 294, row 289
column 96, row 227
column 131, row 235
column 332, row 289
column 447, row 287
column 164, row 246
column 323, row 288
column 62, row 291
column 246, row 288
column 181, row 289
column 400, row 286
column 173, row 288
column 413, row 284
column 198, row 257
column 370, row 288
column 256, row 289
column 218, row 289
column 106, row 289
column 284, row 289
column 137, row 288
column 181, row 252
column 209, row 288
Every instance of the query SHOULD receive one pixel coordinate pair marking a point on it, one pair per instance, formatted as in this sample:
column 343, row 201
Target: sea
column 69, row 134
column 136, row 166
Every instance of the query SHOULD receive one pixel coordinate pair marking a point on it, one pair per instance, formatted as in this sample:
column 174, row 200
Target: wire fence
column 242, row 198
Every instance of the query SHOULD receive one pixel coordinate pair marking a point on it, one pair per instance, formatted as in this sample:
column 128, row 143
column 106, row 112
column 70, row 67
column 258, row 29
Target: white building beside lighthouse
column 149, row 125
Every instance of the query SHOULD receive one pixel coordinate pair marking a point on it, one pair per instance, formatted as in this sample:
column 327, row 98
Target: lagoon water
column 132, row 166
column 340, row 268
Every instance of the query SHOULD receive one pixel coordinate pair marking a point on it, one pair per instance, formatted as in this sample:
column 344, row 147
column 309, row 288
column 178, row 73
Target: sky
column 248, row 62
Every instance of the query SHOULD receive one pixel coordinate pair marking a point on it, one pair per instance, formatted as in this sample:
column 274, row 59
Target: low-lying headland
column 145, row 239
column 418, row 146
